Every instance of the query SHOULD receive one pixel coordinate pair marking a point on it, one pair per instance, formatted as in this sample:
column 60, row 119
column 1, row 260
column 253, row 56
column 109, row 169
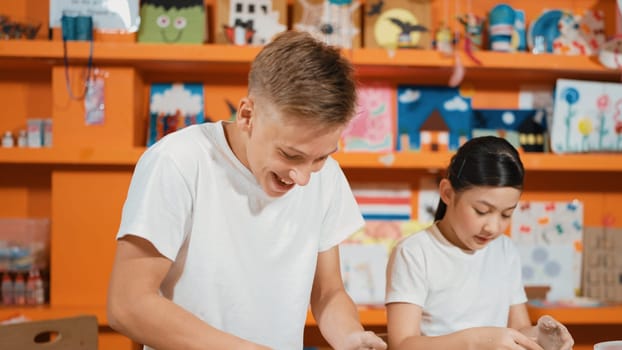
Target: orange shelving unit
column 81, row 182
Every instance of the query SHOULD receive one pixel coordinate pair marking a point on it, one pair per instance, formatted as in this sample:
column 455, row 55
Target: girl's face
column 477, row 215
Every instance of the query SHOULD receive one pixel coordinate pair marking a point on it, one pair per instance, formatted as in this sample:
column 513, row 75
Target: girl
column 457, row 285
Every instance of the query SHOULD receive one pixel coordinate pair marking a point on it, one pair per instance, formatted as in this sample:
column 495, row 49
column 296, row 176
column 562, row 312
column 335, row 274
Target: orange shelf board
column 368, row 317
column 579, row 315
column 573, row 162
column 128, row 52
column 99, row 156
column 46, row 312
column 393, row 160
column 404, row 160
column 144, row 53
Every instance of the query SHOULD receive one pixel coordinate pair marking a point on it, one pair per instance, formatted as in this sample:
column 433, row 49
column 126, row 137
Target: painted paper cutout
column 549, row 236
column 587, row 117
column 417, row 103
column 252, row 22
column 371, row 130
column 330, row 21
column 173, row 107
column 384, row 201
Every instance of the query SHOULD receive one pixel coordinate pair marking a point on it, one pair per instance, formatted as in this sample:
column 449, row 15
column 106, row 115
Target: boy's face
column 283, row 151
column 480, row 214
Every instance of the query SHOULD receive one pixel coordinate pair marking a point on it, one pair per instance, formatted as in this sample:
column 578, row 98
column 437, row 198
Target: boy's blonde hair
column 304, row 78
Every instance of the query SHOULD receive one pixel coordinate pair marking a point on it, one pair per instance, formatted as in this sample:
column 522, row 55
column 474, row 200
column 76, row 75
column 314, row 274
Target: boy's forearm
column 337, row 317
column 161, row 324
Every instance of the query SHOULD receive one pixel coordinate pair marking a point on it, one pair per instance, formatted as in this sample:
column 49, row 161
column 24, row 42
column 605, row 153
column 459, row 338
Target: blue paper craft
column 545, row 26
column 173, row 107
column 416, row 104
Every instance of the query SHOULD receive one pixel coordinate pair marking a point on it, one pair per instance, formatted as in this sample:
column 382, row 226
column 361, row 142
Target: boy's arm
column 404, row 322
column 336, row 315
column 136, row 308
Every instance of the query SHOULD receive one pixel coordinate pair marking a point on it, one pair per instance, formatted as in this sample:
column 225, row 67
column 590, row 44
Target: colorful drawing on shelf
column 331, row 21
column 384, row 201
column 587, row 117
column 363, row 272
column 251, row 22
column 364, row 257
column 580, row 35
column 524, row 129
column 173, row 107
column 398, row 24
column 417, row 103
column 371, row 130
column 428, row 198
column 549, row 237
column 166, row 21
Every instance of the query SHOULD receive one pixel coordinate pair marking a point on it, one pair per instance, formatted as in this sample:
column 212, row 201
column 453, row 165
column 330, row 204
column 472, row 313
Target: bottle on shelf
column 7, row 140
column 22, row 139
column 34, row 288
column 7, row 289
column 19, row 290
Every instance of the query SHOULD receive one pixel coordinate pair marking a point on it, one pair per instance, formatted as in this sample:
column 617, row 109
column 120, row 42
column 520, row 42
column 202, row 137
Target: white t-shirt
column 243, row 262
column 456, row 289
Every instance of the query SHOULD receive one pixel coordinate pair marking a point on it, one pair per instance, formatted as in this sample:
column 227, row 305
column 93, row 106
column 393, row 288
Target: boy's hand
column 553, row 335
column 364, row 341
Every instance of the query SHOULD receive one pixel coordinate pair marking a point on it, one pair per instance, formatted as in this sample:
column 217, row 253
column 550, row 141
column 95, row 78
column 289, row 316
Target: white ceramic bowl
column 609, row 345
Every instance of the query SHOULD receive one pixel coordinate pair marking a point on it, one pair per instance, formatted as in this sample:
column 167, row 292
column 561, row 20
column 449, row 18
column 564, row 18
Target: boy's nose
column 300, row 176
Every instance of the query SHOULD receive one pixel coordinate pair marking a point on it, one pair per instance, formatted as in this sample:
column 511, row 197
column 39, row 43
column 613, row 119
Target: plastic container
column 609, row 345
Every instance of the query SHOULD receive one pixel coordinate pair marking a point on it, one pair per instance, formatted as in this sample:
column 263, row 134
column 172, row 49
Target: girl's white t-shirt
column 456, row 289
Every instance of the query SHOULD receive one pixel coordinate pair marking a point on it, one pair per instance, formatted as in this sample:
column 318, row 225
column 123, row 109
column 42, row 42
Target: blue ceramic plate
column 545, row 26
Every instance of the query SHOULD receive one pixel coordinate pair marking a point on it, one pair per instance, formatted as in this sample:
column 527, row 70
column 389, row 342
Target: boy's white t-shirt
column 456, row 289
column 243, row 262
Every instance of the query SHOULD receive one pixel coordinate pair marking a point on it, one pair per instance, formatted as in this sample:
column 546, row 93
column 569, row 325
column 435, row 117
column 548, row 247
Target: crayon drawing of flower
column 602, row 103
column 585, row 128
column 618, row 129
column 571, row 96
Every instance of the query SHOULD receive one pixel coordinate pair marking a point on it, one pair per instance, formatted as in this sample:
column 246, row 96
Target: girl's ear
column 446, row 191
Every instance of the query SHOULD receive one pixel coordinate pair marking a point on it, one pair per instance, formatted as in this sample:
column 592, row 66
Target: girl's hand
column 366, row 340
column 493, row 338
column 552, row 335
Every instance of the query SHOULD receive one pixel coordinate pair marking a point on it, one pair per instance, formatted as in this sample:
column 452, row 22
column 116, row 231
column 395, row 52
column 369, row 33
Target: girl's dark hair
column 483, row 161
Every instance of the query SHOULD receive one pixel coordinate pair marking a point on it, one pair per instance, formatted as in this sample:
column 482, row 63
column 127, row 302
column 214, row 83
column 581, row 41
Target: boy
column 229, row 230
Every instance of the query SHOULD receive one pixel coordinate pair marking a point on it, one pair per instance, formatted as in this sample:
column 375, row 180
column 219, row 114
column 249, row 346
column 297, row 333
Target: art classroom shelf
column 395, row 160
column 218, row 57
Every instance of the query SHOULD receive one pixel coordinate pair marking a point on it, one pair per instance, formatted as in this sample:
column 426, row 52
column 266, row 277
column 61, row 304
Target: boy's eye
column 290, row 156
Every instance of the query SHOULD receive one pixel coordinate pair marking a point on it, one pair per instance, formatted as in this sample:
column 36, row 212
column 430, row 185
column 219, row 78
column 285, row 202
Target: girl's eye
column 163, row 21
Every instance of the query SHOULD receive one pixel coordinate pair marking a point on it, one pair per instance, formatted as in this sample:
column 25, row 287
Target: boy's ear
column 446, row 191
column 244, row 115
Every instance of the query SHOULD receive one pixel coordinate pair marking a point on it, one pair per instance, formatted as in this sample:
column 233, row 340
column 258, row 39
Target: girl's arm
column 404, row 321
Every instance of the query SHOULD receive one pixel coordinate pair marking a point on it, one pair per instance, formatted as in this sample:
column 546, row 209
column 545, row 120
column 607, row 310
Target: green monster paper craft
column 168, row 21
